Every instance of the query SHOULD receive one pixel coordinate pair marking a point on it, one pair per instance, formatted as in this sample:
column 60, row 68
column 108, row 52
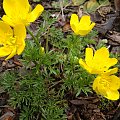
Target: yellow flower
column 42, row 50
column 82, row 27
column 19, row 11
column 99, row 63
column 107, row 86
column 11, row 40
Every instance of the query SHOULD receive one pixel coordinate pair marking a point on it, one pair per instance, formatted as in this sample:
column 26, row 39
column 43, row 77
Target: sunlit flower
column 98, row 63
column 107, row 86
column 82, row 27
column 20, row 11
column 11, row 40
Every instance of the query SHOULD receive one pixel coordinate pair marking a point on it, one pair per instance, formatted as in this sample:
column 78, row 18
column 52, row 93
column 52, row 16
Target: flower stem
column 47, row 45
column 34, row 38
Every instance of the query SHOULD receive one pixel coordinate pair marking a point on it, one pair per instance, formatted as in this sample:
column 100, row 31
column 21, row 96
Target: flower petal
column 20, row 31
column 101, row 59
column 88, row 56
column 74, row 19
column 91, row 26
column 111, row 62
column 100, row 54
column 74, row 23
column 83, row 32
column 83, row 64
column 8, row 20
column 16, row 8
column 20, row 34
column 114, row 82
column 32, row 16
column 85, row 20
column 112, row 95
column 4, row 51
column 96, row 84
column 110, row 72
column 5, row 30
column 13, row 52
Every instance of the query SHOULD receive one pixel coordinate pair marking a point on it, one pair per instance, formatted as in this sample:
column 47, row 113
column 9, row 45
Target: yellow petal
column 8, row 20
column 83, row 32
column 20, row 31
column 91, row 26
column 85, row 20
column 101, row 55
column 74, row 19
column 110, row 72
column 96, row 83
column 112, row 95
column 99, row 86
column 16, row 8
column 83, row 64
column 21, row 48
column 32, row 16
column 5, row 30
column 4, row 51
column 86, row 24
column 88, row 56
column 20, row 34
column 13, row 52
column 101, row 59
column 114, row 82
column 111, row 62
column 74, row 23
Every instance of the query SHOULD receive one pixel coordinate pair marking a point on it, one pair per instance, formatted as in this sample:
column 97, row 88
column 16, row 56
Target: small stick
column 61, row 6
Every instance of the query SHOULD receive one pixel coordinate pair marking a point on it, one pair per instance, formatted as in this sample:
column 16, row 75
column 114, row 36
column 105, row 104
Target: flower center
column 11, row 41
column 105, row 83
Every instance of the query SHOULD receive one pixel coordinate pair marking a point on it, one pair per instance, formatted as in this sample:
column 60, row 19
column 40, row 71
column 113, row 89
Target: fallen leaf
column 7, row 116
column 104, row 2
column 105, row 27
column 114, row 38
column 78, row 2
column 66, row 27
column 91, row 5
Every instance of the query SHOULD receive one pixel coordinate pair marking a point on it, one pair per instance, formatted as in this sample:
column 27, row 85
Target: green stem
column 34, row 38
column 47, row 45
column 47, row 40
